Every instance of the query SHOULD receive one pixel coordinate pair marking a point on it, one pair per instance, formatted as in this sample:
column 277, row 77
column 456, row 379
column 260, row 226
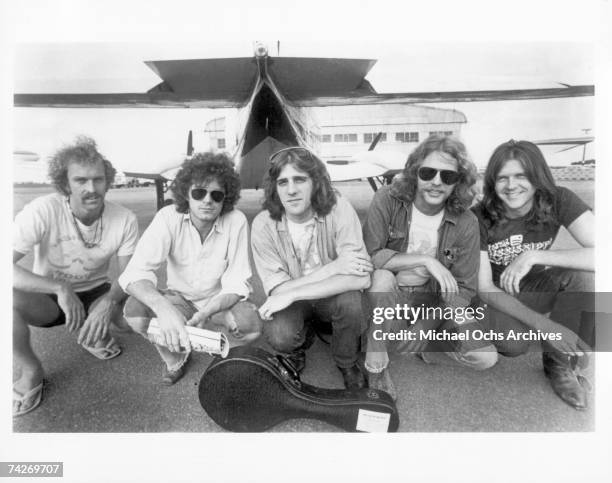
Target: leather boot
column 383, row 382
column 559, row 368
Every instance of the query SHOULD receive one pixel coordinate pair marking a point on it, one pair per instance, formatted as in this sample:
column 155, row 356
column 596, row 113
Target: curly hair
column 538, row 173
column 83, row 151
column 405, row 186
column 323, row 196
column 200, row 168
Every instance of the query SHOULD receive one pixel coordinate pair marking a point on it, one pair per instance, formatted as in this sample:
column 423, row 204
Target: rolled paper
column 202, row 340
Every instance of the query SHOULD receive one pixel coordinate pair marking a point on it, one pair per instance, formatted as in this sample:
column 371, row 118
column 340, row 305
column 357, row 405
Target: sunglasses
column 199, row 194
column 446, row 175
column 284, row 150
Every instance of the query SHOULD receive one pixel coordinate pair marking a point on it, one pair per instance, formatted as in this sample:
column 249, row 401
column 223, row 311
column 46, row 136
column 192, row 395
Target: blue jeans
column 384, row 292
column 286, row 332
column 568, row 295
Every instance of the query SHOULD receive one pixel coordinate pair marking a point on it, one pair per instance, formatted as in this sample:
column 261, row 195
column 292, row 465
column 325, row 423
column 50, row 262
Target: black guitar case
column 252, row 390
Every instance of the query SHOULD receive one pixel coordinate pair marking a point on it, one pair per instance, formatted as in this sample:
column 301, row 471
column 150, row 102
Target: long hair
column 323, row 196
column 405, row 186
column 200, row 168
column 538, row 173
column 82, row 151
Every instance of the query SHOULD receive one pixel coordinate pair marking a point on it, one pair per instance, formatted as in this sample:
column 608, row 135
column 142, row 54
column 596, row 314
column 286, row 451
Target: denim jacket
column 386, row 230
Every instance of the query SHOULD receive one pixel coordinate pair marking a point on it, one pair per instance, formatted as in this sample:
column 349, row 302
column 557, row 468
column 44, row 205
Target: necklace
column 98, row 230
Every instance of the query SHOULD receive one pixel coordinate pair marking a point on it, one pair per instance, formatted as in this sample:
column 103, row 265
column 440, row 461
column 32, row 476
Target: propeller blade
column 375, row 141
column 190, row 143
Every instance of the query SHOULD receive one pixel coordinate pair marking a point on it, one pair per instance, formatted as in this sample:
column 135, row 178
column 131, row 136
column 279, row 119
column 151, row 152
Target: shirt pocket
column 396, row 237
column 211, row 269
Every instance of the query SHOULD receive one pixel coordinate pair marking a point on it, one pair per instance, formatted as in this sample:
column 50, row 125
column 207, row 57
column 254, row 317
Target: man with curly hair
column 74, row 233
column 423, row 240
column 528, row 287
column 204, row 242
column 309, row 254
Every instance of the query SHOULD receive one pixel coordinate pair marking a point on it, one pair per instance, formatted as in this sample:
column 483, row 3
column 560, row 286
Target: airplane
column 273, row 95
column 573, row 143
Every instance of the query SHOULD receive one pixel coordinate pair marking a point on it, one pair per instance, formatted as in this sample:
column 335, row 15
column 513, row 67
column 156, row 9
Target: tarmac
column 86, row 395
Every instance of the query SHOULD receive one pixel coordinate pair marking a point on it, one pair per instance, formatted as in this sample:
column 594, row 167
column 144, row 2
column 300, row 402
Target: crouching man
column 424, row 244
column 204, row 242
column 528, row 287
column 309, row 254
column 74, row 234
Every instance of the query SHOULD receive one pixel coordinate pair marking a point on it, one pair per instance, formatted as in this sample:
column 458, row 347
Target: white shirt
column 303, row 237
column 198, row 270
column 47, row 225
column 422, row 240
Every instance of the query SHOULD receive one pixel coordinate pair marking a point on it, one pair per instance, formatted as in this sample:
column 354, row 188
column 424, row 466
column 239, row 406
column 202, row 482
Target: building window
column 441, row 133
column 345, row 138
column 221, row 143
column 326, row 138
column 368, row 137
column 407, row 137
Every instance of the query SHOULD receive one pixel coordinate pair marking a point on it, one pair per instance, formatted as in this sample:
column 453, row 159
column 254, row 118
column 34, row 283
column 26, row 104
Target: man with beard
column 74, row 234
column 424, row 244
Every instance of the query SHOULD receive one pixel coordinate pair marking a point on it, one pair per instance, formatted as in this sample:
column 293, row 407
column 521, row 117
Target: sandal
column 106, row 352
column 24, row 403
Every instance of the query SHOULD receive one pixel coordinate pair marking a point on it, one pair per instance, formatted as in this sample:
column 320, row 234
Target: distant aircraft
column 273, row 95
column 25, row 156
column 572, row 143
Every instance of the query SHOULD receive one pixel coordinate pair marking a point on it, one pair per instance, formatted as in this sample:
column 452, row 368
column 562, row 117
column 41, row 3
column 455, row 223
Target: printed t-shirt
column 47, row 226
column 508, row 238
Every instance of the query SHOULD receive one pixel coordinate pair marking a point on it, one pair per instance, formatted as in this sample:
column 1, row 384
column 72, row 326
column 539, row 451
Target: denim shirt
column 386, row 231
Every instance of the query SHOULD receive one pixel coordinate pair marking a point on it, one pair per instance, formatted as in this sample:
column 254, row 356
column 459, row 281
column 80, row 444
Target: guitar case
column 252, row 390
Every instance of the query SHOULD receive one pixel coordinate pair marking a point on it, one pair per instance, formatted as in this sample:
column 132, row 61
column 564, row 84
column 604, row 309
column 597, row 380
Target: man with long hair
column 521, row 279
column 203, row 240
column 310, row 256
column 423, row 241
column 74, row 233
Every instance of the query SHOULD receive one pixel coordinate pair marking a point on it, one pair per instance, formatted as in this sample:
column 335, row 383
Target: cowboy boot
column 560, row 369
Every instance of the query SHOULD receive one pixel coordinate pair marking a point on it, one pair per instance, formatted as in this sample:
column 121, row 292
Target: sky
column 138, row 138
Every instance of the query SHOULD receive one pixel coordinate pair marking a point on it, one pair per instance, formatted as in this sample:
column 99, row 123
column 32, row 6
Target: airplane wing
column 579, row 141
column 352, row 171
column 305, row 82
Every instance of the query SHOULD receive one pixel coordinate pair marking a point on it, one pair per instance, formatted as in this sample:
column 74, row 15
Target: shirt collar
column 282, row 224
column 217, row 225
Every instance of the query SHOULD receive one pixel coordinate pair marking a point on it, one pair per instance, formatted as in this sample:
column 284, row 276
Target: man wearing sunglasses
column 424, row 244
column 204, row 242
column 310, row 256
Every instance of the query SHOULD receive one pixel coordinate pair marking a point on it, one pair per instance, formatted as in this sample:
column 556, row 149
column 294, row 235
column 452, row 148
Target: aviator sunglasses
column 292, row 148
column 199, row 194
column 446, row 175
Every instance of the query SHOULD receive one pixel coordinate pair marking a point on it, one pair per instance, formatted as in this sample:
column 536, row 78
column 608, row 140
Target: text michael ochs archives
column 460, row 315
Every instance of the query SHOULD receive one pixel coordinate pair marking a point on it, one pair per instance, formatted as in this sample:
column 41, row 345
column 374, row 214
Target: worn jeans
column 286, row 332
column 384, row 292
column 567, row 294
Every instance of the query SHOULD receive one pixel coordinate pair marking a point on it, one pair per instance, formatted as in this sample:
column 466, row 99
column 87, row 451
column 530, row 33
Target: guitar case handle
column 287, row 370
